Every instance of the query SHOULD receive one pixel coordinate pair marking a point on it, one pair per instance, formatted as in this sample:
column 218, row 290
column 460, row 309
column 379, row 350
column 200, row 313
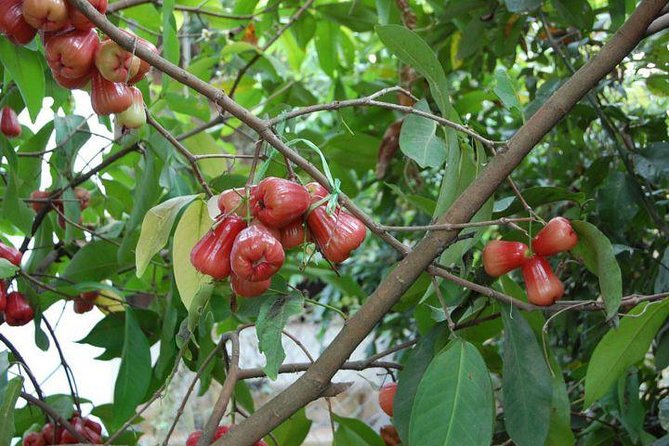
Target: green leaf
column 506, row 90
column 170, row 39
column 411, row 49
column 156, row 229
column 294, row 430
column 596, row 252
column 107, row 334
column 194, row 223
column 93, row 262
column 559, row 430
column 575, row 13
column 536, row 196
column 522, row 5
column 454, row 401
column 527, row 389
column 134, row 375
column 25, row 68
column 72, row 132
column 8, row 398
column 353, row 14
column 7, row 269
column 622, row 347
column 419, row 141
column 354, row 432
column 326, row 46
column 13, row 208
column 272, row 319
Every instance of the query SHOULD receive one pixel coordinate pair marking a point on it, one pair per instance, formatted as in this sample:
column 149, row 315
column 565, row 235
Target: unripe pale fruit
column 70, row 54
column 543, row 287
column 13, row 24
column 211, row 255
column 336, row 234
column 47, row 15
column 109, row 97
column 232, row 200
column 386, row 397
column 245, row 288
column 34, row 439
column 10, row 253
column 79, row 20
column 114, row 63
column 556, row 236
column 277, row 202
column 501, row 257
column 293, row 235
column 9, row 123
column 135, row 116
column 144, row 66
column 18, row 311
column 256, row 254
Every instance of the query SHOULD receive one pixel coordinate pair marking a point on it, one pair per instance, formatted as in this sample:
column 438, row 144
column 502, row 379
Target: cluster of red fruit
column 40, row 198
column 543, row 287
column 13, row 306
column 220, row 431
column 52, row 434
column 257, row 224
column 9, row 123
column 76, row 55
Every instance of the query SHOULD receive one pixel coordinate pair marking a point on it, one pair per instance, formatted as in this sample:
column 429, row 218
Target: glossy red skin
column 12, row 23
column 18, row 311
column 10, row 253
column 47, row 15
column 89, row 429
column 9, row 123
column 256, row 254
column 84, row 302
column 34, row 439
column 277, row 202
column 80, row 21
column 556, row 236
column 135, row 116
column 211, row 255
column 337, row 234
column 245, row 288
column 114, row 63
column 71, row 54
column 51, row 434
column 276, row 233
column 232, row 200
column 316, row 191
column 501, row 257
column 3, row 295
column 293, row 235
column 386, row 397
column 109, row 97
column 144, row 66
column 220, row 431
column 543, row 287
column 71, row 84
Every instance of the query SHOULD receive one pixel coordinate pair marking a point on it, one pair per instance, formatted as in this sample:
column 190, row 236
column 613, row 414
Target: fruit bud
column 9, row 123
column 211, row 255
column 277, row 202
column 10, row 253
column 114, row 63
column 543, row 288
column 245, row 288
column 501, row 257
column 109, row 97
column 293, row 235
column 336, row 234
column 386, row 397
column 18, row 311
column 135, row 116
column 556, row 236
column 79, row 20
column 47, row 15
column 256, row 254
column 12, row 23
column 71, row 54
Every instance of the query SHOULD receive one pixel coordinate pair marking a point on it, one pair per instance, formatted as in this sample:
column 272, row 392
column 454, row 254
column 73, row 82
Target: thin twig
column 50, row 411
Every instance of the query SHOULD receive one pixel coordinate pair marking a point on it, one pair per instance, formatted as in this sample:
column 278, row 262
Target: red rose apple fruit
column 211, row 255
column 336, row 234
column 501, row 257
column 18, row 311
column 79, row 20
column 3, row 295
column 256, row 254
column 543, row 287
column 10, row 253
column 71, row 54
column 232, row 201
column 293, row 235
column 277, row 202
column 47, row 15
column 109, row 97
column 12, row 23
column 245, row 288
column 114, row 63
column 9, row 123
column 34, row 439
column 135, row 116
column 386, row 397
column 556, row 236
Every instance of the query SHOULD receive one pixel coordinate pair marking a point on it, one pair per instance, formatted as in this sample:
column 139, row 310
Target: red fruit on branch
column 18, row 311
column 10, row 253
column 109, row 97
column 316, row 191
column 3, row 295
column 85, row 427
column 85, row 302
column 71, row 84
column 34, row 439
column 277, row 202
column 245, row 288
column 70, row 54
column 79, row 20
column 276, row 233
column 12, row 23
column 501, row 257
column 390, row 436
column 232, row 200
column 114, row 63
column 543, row 287
column 9, row 123
column 83, row 195
column 211, row 255
column 51, row 434
column 256, row 254
column 47, row 15
column 556, row 236
column 194, row 437
column 38, row 195
column 293, row 235
column 135, row 116
column 144, row 66
column 386, row 397
column 336, row 234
